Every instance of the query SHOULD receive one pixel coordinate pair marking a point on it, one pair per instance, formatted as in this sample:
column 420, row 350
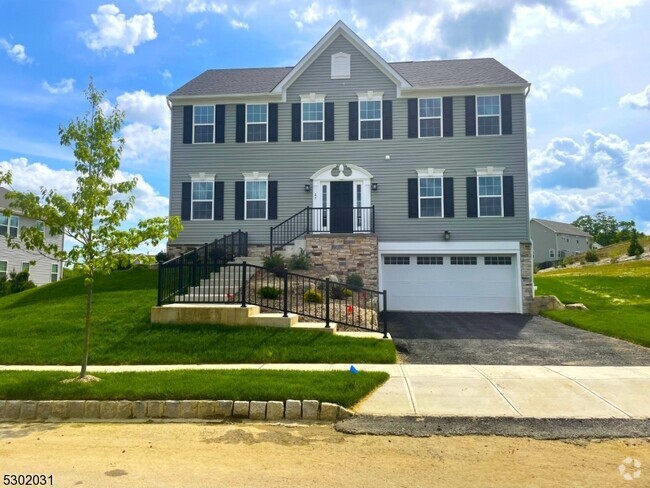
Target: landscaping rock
column 274, row 410
column 171, row 409
column 139, row 410
column 224, row 408
column 28, row 410
column 310, row 409
column 576, row 306
column 91, row 409
column 545, row 302
column 76, row 409
column 328, row 411
column 12, row 409
column 59, row 409
column 293, row 410
column 189, row 409
column 108, row 409
column 240, row 409
column 257, row 410
column 124, row 409
column 43, row 410
column 155, row 409
column 333, row 278
column 344, row 413
column 205, row 409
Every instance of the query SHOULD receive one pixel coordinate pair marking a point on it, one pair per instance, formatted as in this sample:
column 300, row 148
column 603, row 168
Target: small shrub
column 270, row 292
column 161, row 257
column 635, row 248
column 591, row 257
column 4, row 286
column 302, row 260
column 339, row 292
column 313, row 296
column 275, row 263
column 354, row 281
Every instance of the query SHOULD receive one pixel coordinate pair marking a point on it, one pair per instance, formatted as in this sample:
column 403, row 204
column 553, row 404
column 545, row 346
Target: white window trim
column 345, row 74
column 488, row 171
column 9, row 226
column 551, row 253
column 57, row 272
column 202, row 178
column 256, row 176
column 257, row 123
column 432, row 173
column 430, row 118
column 311, row 98
column 194, row 124
column 22, row 266
column 371, row 96
column 4, row 272
column 477, row 115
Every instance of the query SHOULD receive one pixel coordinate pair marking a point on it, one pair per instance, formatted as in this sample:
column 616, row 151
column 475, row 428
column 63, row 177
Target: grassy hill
column 45, row 326
column 617, row 295
column 613, row 251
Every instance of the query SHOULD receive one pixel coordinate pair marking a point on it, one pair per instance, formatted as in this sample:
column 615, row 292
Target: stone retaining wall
column 526, row 256
column 56, row 410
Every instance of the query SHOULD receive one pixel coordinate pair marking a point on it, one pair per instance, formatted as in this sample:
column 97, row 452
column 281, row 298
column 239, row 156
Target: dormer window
column 340, row 66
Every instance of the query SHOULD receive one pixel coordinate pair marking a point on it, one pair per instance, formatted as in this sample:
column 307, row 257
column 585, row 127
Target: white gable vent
column 340, row 66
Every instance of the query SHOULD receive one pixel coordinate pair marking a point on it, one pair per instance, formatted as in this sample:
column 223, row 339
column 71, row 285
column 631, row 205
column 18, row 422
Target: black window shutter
column 508, row 197
column 240, row 124
column 220, row 122
column 354, row 121
column 447, row 117
column 273, row 122
column 472, row 198
column 329, row 121
column 273, row 200
column 188, row 113
column 239, row 200
column 413, row 198
column 470, row 115
column 506, row 114
column 218, row 200
column 186, row 201
column 387, row 116
column 296, row 120
column 413, row 118
column 448, row 195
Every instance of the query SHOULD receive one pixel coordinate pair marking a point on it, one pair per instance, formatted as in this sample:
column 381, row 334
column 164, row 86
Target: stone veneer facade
column 340, row 254
column 527, row 285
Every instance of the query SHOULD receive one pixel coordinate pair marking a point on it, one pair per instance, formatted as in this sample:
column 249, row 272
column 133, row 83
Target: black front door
column 341, row 205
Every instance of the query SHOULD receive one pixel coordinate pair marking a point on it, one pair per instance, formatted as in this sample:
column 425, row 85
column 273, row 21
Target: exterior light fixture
column 375, row 186
column 447, row 235
column 307, row 187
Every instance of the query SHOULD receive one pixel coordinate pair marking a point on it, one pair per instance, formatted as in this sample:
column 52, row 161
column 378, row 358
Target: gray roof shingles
column 456, row 72
column 562, row 228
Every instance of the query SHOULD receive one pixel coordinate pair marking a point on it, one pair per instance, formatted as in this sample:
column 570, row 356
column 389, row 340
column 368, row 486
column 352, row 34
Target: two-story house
column 413, row 174
column 42, row 269
column 553, row 241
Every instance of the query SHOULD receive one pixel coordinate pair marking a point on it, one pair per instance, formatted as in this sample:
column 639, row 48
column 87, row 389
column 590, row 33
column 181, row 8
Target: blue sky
column 587, row 60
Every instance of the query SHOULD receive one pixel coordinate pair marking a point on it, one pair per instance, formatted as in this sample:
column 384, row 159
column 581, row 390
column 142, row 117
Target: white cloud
column 66, row 85
column 597, row 12
column 115, row 31
column 154, row 5
column 198, row 42
column 404, row 37
column 237, row 24
column 574, row 91
column 166, row 74
column 549, row 82
column 312, row 14
column 16, row 52
column 637, row 100
column 202, row 6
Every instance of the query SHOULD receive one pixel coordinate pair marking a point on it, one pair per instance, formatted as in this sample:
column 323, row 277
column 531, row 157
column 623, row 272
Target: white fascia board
column 446, row 247
column 228, row 98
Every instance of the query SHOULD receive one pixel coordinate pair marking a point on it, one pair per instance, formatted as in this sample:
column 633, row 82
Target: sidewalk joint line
column 498, row 390
column 409, row 390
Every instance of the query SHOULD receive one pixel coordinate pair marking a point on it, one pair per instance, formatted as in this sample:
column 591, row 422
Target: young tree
column 635, row 248
column 92, row 218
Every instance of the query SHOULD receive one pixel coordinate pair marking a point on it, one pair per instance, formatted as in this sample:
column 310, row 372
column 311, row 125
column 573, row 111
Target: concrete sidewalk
column 472, row 390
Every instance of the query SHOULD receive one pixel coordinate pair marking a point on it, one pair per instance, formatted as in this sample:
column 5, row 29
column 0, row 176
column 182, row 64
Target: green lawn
column 340, row 387
column 45, row 326
column 617, row 295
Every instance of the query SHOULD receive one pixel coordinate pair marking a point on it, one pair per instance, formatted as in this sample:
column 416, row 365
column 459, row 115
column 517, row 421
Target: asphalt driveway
column 507, row 339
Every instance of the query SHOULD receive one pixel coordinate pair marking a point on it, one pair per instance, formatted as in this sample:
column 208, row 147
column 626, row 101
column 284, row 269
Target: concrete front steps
column 230, row 314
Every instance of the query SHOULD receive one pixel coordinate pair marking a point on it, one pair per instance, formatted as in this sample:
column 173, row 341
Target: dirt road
column 263, row 455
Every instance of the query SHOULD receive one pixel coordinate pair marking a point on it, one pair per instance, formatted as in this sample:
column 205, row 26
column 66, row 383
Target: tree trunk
column 89, row 307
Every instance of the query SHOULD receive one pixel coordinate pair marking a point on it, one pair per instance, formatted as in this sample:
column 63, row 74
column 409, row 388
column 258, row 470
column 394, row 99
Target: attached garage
column 451, row 282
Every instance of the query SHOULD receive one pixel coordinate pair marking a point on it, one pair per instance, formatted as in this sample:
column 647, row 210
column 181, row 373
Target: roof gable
column 340, row 29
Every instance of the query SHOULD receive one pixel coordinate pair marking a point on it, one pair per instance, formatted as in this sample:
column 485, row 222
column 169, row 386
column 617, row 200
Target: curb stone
column 111, row 411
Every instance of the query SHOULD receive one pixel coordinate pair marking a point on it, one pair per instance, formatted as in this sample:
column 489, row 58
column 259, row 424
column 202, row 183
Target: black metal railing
column 192, row 272
column 324, row 220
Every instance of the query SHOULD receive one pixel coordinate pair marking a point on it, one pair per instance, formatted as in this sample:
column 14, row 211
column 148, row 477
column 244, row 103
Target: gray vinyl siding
column 293, row 163
column 39, row 271
column 543, row 239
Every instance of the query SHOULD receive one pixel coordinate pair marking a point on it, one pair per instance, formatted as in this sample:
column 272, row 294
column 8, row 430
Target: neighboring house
column 553, row 241
column 42, row 269
column 415, row 173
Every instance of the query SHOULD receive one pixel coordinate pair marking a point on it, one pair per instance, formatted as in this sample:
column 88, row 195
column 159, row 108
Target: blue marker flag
column 353, row 370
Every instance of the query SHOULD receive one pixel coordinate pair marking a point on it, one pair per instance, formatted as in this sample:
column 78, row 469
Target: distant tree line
column 606, row 230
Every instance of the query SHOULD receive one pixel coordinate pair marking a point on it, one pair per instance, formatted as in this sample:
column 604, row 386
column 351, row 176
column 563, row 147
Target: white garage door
column 449, row 283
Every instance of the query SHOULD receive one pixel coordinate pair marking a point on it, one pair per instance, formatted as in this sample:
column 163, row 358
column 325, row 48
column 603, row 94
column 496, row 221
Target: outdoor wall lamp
column 307, row 187
column 375, row 186
column 447, row 235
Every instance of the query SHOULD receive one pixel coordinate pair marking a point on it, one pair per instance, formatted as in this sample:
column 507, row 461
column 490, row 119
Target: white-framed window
column 313, row 117
column 256, row 196
column 497, row 260
column 24, row 267
column 9, row 225
column 397, row 260
column 370, row 115
column 430, row 260
column 490, row 191
column 488, row 115
column 551, row 253
column 40, row 225
column 203, row 124
column 257, row 122
column 202, row 199
column 3, row 269
column 463, row 260
column 54, row 272
column 430, row 193
column 430, row 117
